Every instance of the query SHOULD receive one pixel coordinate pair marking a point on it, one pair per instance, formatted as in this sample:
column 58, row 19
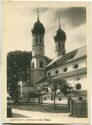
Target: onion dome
column 38, row 28
column 60, row 35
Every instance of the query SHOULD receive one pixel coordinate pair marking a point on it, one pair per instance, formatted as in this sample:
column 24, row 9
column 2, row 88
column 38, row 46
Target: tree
column 56, row 87
column 18, row 68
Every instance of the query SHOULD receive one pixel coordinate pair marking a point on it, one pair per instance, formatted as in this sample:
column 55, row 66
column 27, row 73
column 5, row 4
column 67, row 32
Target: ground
column 42, row 111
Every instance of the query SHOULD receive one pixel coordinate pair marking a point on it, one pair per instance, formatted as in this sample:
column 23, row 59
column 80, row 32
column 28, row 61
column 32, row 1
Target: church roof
column 48, row 60
column 38, row 28
column 68, row 57
column 60, row 35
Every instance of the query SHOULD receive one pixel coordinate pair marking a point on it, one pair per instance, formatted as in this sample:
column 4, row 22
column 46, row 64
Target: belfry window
column 36, row 39
column 33, row 65
column 41, row 64
column 59, row 46
column 40, row 39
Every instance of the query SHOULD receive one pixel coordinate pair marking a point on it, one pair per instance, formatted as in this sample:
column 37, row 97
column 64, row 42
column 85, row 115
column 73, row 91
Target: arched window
column 56, row 72
column 59, row 99
column 41, row 64
column 49, row 74
column 59, row 46
column 56, row 47
column 33, row 40
column 77, row 78
column 45, row 98
column 51, row 99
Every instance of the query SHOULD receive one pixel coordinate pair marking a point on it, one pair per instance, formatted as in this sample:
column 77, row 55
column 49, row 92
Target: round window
column 78, row 86
column 65, row 69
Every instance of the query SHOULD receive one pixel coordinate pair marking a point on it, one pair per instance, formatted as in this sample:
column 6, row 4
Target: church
column 71, row 66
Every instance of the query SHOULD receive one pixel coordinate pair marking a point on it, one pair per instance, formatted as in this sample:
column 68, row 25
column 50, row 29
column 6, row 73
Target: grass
column 43, row 108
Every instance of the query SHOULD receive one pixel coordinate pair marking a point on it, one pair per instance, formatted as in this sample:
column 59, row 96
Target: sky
column 19, row 19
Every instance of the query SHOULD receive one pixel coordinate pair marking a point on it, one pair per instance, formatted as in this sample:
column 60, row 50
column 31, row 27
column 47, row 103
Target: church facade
column 71, row 66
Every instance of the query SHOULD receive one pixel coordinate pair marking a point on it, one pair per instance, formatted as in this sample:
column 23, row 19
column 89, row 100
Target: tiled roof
column 71, row 56
column 48, row 60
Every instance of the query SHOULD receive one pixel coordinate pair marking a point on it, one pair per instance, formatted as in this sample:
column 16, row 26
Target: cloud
column 76, row 37
column 20, row 18
column 74, row 15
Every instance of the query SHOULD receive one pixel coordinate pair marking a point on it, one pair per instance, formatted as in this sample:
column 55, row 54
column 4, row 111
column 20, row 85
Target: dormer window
column 65, row 69
column 75, row 66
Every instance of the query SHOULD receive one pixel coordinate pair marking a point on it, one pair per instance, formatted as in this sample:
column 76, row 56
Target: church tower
column 38, row 63
column 60, row 39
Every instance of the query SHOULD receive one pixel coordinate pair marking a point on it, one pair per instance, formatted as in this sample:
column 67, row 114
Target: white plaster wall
column 37, row 63
column 63, row 101
column 37, row 75
column 82, row 80
column 72, row 80
column 70, row 67
column 37, row 50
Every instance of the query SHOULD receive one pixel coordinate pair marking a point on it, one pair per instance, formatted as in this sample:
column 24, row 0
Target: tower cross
column 37, row 14
column 59, row 23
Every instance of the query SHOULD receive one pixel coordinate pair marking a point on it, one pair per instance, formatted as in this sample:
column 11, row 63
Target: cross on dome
column 37, row 14
column 59, row 23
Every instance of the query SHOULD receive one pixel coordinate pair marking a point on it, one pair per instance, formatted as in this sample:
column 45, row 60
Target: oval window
column 78, row 86
column 75, row 66
column 65, row 69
